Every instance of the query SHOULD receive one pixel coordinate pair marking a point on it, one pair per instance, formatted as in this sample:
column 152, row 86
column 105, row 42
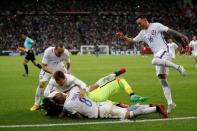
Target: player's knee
column 162, row 76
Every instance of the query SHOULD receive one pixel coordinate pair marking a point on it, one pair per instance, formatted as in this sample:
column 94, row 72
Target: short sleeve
column 67, row 56
column 161, row 27
column 138, row 38
column 45, row 57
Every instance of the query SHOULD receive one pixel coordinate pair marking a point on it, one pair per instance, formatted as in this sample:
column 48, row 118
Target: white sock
column 165, row 63
column 39, row 93
column 147, row 110
column 166, row 90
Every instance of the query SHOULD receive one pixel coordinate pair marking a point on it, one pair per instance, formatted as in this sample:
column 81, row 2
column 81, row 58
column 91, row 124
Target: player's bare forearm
column 69, row 68
column 124, row 37
column 93, row 87
column 184, row 38
column 46, row 69
column 128, row 40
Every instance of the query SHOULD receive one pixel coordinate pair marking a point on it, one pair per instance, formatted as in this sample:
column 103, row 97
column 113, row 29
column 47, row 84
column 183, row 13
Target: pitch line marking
column 98, row 122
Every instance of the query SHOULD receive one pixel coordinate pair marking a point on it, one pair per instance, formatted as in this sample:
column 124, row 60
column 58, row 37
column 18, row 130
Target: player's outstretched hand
column 119, row 35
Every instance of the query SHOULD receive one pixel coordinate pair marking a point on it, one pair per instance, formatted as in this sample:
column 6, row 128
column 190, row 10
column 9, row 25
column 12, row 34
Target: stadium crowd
column 88, row 22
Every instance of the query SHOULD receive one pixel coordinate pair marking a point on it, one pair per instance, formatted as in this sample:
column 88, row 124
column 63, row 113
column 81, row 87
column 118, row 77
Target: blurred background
column 88, row 22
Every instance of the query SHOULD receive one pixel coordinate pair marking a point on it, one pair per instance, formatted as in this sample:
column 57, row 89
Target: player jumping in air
column 53, row 60
column 28, row 43
column 152, row 34
column 193, row 45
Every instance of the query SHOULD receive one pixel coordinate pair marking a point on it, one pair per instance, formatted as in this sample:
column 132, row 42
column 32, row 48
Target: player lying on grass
column 98, row 92
column 75, row 105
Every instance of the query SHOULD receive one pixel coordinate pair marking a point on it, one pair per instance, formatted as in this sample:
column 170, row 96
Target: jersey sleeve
column 67, row 56
column 45, row 57
column 78, row 82
column 31, row 41
column 51, row 85
column 190, row 44
column 162, row 28
column 138, row 38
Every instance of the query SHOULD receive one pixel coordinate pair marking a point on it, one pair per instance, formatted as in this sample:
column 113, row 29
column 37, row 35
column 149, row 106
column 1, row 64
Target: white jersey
column 53, row 62
column 173, row 46
column 70, row 82
column 84, row 106
column 193, row 44
column 153, row 36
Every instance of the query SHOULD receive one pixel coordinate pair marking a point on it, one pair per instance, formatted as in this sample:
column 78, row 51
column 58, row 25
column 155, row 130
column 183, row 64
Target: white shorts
column 194, row 54
column 108, row 110
column 162, row 54
column 44, row 76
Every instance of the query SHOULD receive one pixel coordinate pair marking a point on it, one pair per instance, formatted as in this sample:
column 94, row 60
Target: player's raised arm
column 125, row 38
column 185, row 40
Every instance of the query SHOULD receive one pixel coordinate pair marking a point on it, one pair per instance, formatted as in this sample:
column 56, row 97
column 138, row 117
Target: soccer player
column 28, row 43
column 96, row 50
column 98, row 92
column 152, row 34
column 53, row 60
column 193, row 45
column 73, row 103
column 172, row 48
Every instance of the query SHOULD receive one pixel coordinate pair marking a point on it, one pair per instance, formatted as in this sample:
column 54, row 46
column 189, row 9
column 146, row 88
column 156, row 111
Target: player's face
column 23, row 36
column 142, row 23
column 59, row 51
column 194, row 37
column 170, row 40
column 60, row 81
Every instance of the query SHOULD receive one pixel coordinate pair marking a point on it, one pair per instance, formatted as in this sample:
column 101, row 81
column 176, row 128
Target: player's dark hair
column 59, row 44
column 25, row 33
column 58, row 75
column 142, row 17
column 51, row 108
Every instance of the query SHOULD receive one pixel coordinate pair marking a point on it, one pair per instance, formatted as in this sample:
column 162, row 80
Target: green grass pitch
column 17, row 93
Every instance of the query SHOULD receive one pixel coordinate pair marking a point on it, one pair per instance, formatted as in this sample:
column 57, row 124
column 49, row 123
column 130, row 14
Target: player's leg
column 163, row 58
column 25, row 62
column 33, row 60
column 162, row 75
column 44, row 77
column 103, row 93
column 123, row 84
column 37, row 64
column 147, row 109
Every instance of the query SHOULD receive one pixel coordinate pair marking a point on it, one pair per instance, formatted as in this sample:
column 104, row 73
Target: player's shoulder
column 66, row 52
column 49, row 49
column 29, row 39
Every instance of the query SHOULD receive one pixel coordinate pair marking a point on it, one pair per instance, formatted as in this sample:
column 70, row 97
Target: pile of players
column 66, row 95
